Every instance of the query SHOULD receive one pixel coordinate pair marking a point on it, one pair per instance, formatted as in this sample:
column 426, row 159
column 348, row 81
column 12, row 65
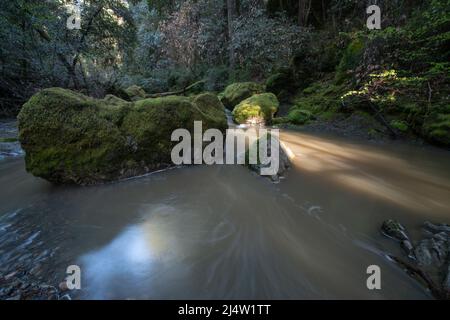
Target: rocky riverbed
column 428, row 259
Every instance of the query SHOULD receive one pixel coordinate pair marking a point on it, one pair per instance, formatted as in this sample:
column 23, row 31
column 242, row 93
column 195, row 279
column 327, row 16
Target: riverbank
column 359, row 127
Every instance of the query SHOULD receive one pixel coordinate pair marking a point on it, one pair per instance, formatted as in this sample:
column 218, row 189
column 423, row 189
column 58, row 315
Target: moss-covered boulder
column 135, row 93
column 258, row 109
column 118, row 92
column 72, row 138
column 210, row 105
column 237, row 92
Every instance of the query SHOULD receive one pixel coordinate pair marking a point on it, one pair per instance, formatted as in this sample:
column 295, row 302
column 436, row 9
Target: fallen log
column 176, row 93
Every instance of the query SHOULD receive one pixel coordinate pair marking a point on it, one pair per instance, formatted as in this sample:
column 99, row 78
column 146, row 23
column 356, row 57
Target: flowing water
column 224, row 232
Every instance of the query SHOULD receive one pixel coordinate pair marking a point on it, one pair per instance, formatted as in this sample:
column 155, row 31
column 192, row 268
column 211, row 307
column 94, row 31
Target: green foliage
column 281, row 83
column 350, row 60
column 259, row 108
column 436, row 125
column 216, row 78
column 400, row 125
column 8, row 140
column 319, row 97
column 299, row 116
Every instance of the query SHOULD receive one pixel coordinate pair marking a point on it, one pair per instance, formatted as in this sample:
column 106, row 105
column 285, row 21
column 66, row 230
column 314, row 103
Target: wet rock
column 395, row 230
column 432, row 251
column 437, row 227
column 446, row 283
column 430, row 262
column 10, row 276
column 284, row 163
column 407, row 246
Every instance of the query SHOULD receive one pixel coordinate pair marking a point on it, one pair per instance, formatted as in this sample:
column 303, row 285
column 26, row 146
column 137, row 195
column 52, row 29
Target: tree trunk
column 304, row 9
column 231, row 9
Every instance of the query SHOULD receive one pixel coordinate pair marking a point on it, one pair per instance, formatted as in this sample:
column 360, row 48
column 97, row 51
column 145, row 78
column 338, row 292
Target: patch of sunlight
column 370, row 170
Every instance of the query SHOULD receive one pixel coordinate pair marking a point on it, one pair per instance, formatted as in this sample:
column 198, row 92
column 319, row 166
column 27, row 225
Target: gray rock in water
column 431, row 256
column 408, row 248
column 433, row 251
column 284, row 162
column 446, row 284
column 395, row 230
column 437, row 227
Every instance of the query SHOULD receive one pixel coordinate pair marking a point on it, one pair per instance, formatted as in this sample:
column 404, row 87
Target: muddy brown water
column 223, row 232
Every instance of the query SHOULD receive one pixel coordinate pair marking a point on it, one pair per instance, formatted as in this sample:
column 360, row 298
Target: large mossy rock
column 135, row 93
column 258, row 109
column 72, row 138
column 237, row 92
column 210, row 105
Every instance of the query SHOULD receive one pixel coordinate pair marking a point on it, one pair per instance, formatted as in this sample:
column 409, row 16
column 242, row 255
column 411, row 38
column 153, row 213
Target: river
column 222, row 232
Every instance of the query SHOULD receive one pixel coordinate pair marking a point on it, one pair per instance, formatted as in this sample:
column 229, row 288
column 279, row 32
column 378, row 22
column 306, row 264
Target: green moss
column 437, row 128
column 112, row 100
column 280, row 120
column 350, row 59
column 299, row 117
column 259, row 108
column 210, row 105
column 237, row 92
column 281, row 83
column 118, row 92
column 328, row 115
column 71, row 138
column 400, row 125
column 67, row 140
column 8, row 140
column 320, row 97
column 135, row 93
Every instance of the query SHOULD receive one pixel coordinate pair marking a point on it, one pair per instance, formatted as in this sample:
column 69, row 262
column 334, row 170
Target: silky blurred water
column 224, row 232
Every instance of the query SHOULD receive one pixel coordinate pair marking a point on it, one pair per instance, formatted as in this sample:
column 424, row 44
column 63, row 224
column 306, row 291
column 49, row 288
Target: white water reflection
column 132, row 260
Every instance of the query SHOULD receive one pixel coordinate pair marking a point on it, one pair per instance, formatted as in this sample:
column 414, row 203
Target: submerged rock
column 72, row 138
column 258, row 109
column 237, row 92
